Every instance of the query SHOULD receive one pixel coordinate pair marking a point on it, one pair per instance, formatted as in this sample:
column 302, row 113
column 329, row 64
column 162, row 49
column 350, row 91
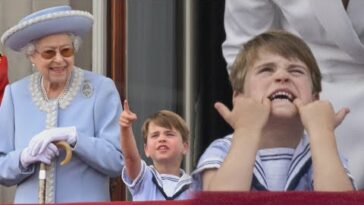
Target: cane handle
column 67, row 148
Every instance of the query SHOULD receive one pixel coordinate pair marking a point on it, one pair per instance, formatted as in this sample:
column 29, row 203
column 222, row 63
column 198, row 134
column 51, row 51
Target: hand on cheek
column 319, row 115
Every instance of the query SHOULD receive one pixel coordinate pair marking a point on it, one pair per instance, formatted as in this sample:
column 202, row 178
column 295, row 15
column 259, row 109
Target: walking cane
column 43, row 170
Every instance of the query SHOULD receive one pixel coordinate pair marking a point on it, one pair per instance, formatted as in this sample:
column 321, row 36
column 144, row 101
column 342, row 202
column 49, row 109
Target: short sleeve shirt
column 151, row 185
column 299, row 171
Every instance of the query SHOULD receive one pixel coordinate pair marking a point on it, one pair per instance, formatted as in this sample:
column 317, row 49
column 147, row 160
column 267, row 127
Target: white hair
column 29, row 49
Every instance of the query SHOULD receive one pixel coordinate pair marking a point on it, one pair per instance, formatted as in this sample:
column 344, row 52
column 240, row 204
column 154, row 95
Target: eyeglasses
column 50, row 53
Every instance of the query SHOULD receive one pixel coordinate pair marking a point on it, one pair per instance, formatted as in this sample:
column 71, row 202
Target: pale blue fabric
column 300, row 173
column 64, row 23
column 143, row 188
column 96, row 156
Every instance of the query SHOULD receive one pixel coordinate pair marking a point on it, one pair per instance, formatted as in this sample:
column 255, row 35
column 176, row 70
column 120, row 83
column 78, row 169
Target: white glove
column 26, row 158
column 40, row 142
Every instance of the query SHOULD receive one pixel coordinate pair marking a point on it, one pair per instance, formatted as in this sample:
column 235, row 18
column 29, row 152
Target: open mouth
column 162, row 147
column 282, row 95
column 58, row 69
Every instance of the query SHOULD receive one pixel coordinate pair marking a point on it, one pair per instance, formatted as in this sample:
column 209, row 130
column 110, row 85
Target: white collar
column 184, row 179
column 72, row 87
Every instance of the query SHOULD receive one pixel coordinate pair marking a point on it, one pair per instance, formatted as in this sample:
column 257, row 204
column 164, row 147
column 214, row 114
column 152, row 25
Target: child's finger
column 121, row 121
column 340, row 116
column 124, row 122
column 126, row 106
column 266, row 102
column 222, row 110
column 130, row 116
column 298, row 102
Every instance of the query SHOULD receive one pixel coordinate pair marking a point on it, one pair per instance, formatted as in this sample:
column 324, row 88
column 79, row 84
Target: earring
column 34, row 69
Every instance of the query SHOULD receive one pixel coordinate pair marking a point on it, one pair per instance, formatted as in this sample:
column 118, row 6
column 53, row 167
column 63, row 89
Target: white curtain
column 10, row 13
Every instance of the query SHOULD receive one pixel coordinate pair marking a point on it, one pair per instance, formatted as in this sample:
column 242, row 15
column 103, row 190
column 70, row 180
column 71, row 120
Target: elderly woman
column 58, row 102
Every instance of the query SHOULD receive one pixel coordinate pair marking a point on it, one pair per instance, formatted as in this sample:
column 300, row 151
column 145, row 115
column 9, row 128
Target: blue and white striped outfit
column 151, row 185
column 299, row 172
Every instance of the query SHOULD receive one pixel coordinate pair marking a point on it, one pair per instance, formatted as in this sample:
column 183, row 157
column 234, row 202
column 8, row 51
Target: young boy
column 165, row 142
column 283, row 133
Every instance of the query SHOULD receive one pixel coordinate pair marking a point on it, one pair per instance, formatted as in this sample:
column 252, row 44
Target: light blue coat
column 96, row 156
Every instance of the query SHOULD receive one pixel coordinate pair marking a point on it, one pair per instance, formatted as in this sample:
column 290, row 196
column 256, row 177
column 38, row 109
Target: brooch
column 87, row 89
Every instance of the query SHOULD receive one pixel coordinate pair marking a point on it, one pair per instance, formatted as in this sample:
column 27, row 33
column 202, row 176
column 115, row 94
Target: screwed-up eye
column 297, row 71
column 265, row 69
column 154, row 136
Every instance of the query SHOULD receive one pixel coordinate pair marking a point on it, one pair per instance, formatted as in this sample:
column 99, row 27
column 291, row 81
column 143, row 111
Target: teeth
column 282, row 95
column 162, row 147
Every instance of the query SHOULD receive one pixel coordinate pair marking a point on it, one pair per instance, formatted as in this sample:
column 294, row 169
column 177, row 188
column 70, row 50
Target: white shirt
column 298, row 176
column 151, row 185
column 275, row 163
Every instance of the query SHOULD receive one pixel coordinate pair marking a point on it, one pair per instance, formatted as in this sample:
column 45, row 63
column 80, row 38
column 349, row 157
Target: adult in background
column 58, row 102
column 334, row 30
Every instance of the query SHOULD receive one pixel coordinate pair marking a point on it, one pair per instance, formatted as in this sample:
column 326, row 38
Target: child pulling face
column 276, row 84
column 278, row 94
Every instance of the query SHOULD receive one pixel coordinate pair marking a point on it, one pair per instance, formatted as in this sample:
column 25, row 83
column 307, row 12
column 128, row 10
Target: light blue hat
column 60, row 19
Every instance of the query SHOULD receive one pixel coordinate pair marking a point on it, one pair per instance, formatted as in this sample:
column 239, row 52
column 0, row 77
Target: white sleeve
column 243, row 20
column 141, row 183
column 212, row 158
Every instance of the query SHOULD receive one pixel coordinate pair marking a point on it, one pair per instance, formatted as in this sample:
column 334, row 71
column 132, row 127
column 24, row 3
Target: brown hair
column 280, row 42
column 166, row 119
